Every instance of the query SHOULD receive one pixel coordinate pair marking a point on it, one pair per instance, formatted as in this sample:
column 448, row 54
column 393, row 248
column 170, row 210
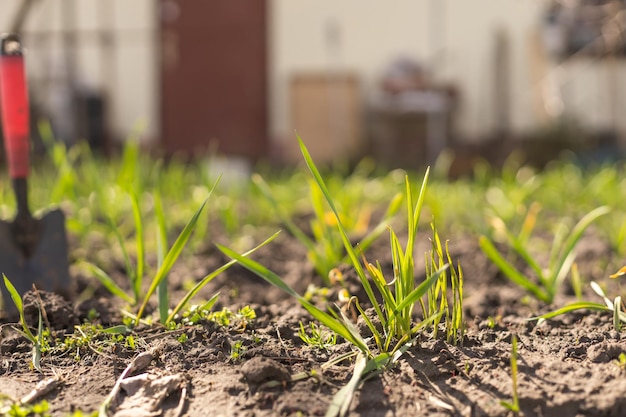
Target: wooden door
column 213, row 77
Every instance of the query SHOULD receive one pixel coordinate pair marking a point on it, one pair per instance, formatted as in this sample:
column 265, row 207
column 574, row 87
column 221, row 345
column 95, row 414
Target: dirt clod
column 54, row 307
column 261, row 369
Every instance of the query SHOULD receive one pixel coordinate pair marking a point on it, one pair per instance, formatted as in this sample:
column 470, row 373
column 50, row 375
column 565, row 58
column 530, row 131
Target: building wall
column 126, row 70
column 454, row 38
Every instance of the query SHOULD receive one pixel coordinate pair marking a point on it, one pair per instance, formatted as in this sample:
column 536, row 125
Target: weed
column 318, row 337
column 237, row 349
column 91, row 337
column 225, row 317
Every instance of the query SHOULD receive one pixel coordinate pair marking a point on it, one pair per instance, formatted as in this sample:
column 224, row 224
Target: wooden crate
column 326, row 111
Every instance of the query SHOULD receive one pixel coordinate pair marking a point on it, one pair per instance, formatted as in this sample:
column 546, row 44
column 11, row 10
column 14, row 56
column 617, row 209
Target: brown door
column 213, row 77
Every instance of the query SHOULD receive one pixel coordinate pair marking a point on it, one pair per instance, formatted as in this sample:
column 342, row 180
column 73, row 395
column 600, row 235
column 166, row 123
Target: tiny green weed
column 17, row 409
column 621, row 361
column 237, row 349
column 239, row 320
column 317, row 336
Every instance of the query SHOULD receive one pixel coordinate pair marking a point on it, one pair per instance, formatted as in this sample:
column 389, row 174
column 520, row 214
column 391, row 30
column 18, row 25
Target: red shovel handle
column 14, row 104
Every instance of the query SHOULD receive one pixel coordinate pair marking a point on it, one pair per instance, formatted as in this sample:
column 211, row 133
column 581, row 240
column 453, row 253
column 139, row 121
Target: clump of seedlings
column 399, row 295
column 562, row 253
column 166, row 261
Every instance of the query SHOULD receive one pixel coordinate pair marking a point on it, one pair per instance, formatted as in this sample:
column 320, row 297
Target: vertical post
column 68, row 25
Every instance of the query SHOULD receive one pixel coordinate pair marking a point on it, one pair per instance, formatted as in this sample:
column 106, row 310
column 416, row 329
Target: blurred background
column 399, row 81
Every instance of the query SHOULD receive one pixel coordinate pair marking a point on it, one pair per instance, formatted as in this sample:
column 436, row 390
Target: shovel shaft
column 15, row 111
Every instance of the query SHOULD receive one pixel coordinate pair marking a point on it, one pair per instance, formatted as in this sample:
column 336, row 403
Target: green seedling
column 36, row 340
column 18, row 409
column 395, row 315
column 90, row 337
column 325, row 248
column 562, row 255
column 239, row 320
column 438, row 298
column 166, row 261
column 317, row 336
column 621, row 361
column 514, row 404
column 613, row 306
column 236, row 350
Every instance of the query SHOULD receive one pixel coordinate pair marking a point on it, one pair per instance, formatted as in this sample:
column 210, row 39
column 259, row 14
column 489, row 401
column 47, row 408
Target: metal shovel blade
column 47, row 267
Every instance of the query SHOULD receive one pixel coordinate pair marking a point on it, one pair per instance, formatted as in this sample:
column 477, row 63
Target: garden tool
column 32, row 250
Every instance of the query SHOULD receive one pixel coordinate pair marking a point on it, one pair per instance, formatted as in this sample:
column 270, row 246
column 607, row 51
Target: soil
column 567, row 366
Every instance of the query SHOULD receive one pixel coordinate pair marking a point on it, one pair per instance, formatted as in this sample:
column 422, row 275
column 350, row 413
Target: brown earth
column 567, row 366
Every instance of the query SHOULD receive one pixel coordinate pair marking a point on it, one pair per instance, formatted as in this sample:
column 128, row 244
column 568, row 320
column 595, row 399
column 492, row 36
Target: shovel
column 32, row 251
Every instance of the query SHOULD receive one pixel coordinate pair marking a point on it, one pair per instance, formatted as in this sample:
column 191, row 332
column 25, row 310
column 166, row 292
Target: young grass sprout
column 325, row 249
column 514, row 404
column 166, row 260
column 613, row 306
column 562, row 255
column 36, row 340
column 399, row 295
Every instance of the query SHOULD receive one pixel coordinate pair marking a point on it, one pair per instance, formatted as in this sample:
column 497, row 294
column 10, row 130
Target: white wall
column 128, row 72
column 456, row 37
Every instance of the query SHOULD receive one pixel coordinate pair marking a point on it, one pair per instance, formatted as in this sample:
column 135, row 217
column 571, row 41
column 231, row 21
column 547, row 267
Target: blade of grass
column 510, row 271
column 342, row 399
column 191, row 293
column 579, row 305
column 574, row 237
column 139, row 242
column 513, row 406
column 326, row 319
column 344, row 236
column 161, row 238
column 17, row 300
column 108, row 283
column 617, row 306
